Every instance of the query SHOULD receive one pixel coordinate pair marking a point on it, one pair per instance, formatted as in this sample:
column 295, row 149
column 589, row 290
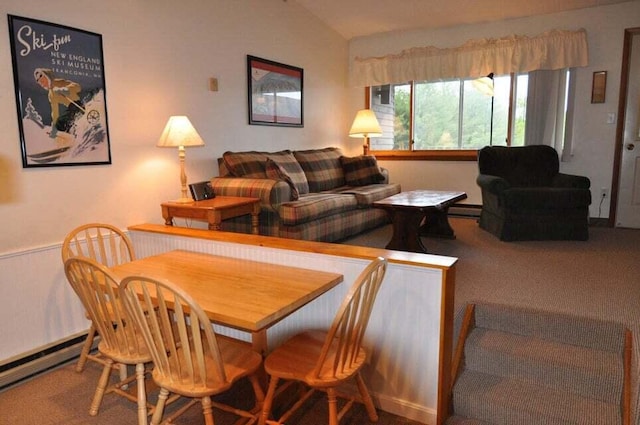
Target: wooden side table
column 214, row 210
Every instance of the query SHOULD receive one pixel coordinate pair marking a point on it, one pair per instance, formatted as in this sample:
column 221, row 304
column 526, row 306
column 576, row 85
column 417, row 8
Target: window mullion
column 411, row 117
column 512, row 107
column 460, row 114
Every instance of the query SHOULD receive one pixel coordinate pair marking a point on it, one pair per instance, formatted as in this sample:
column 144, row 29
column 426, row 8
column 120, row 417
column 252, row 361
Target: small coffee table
column 408, row 210
column 214, row 210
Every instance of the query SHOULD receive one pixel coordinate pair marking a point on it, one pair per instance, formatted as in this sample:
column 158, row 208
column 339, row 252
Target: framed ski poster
column 58, row 75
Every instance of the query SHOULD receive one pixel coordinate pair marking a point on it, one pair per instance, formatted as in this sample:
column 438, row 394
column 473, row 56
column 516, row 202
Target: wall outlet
column 604, row 193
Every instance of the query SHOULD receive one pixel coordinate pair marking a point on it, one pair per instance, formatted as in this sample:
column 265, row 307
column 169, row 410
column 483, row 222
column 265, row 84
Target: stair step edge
column 574, row 330
column 497, row 400
column 587, row 372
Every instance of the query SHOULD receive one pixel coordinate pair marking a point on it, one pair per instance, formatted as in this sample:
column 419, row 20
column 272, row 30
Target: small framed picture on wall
column 599, row 87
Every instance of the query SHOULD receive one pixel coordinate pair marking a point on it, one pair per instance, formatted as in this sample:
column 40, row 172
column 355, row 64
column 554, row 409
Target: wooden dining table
column 247, row 295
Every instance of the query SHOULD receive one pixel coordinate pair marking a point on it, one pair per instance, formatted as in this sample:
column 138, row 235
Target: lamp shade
column 179, row 132
column 484, row 84
column 365, row 124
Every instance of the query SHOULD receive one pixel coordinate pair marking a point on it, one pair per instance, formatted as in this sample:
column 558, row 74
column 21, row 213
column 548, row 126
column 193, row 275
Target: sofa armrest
column 571, row 181
column 385, row 173
column 271, row 192
column 492, row 184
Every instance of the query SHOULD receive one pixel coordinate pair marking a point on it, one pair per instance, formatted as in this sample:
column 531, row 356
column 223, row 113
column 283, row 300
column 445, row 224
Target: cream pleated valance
column 551, row 50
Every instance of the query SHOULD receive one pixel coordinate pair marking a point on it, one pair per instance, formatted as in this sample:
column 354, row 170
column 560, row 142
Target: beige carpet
column 598, row 278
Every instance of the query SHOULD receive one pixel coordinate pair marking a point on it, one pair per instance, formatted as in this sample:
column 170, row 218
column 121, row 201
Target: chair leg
column 86, row 348
column 257, row 390
column 268, row 401
column 142, row 394
column 124, row 374
column 159, row 411
column 207, row 410
column 333, row 406
column 366, row 398
column 100, row 389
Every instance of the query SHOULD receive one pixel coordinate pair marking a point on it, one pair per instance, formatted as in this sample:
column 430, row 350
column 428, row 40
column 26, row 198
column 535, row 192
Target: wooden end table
column 214, row 210
column 407, row 211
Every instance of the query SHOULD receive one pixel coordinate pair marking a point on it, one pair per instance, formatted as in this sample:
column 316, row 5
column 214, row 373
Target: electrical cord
column 600, row 205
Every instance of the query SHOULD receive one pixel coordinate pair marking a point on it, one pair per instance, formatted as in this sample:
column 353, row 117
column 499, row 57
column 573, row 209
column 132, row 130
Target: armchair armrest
column 571, row 181
column 271, row 192
column 493, row 184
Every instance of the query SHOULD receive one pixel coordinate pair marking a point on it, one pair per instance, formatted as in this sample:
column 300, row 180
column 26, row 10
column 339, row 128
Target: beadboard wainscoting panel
column 38, row 305
column 403, row 334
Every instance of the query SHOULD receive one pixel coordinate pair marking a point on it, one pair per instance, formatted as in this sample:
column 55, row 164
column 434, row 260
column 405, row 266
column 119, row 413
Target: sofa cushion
column 287, row 168
column 366, row 195
column 250, row 164
column 314, row 206
column 361, row 170
column 322, row 168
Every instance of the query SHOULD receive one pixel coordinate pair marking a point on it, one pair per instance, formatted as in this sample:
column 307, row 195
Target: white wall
column 158, row 57
column 594, row 139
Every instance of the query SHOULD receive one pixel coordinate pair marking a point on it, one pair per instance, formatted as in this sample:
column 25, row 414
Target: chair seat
column 297, row 358
column 238, row 361
column 138, row 352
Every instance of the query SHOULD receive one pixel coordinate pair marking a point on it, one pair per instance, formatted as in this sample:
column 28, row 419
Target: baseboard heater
column 465, row 210
column 41, row 359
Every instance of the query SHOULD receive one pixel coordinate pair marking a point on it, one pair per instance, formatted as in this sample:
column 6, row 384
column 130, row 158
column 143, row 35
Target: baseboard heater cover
column 465, row 210
column 29, row 364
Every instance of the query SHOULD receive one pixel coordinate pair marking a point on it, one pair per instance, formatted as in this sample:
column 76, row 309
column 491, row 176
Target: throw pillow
column 322, row 168
column 287, row 168
column 249, row 164
column 361, row 170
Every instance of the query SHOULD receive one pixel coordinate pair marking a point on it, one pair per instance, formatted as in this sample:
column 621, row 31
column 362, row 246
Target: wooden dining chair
column 107, row 245
column 189, row 358
column 323, row 360
column 120, row 342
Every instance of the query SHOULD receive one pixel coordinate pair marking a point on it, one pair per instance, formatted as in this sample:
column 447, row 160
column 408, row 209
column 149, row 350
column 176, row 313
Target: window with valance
column 534, row 72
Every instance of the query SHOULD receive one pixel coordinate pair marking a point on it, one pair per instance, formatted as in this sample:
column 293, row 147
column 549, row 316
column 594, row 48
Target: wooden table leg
column 436, row 224
column 255, row 222
column 406, row 230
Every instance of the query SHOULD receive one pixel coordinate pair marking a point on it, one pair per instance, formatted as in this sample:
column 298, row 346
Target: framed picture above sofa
column 59, row 81
column 275, row 93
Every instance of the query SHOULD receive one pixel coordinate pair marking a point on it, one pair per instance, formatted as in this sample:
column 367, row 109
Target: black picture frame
column 58, row 74
column 275, row 93
column 599, row 87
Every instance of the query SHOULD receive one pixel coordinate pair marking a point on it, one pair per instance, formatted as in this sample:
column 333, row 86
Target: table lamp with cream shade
column 365, row 125
column 179, row 133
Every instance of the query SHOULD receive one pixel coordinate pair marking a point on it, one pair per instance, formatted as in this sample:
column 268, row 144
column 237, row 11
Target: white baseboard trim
column 44, row 358
column 405, row 409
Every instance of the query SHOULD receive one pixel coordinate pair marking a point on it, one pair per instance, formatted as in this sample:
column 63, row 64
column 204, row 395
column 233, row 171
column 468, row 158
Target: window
column 448, row 119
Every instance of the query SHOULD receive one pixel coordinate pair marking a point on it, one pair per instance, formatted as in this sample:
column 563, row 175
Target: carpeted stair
column 533, row 367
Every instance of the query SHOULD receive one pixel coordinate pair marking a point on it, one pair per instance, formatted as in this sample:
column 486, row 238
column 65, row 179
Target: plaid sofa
column 316, row 194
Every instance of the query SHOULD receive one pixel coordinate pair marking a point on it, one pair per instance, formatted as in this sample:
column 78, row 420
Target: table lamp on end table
column 365, row 125
column 179, row 133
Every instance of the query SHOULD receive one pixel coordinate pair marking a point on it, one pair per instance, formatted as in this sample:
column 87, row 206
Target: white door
column 628, row 206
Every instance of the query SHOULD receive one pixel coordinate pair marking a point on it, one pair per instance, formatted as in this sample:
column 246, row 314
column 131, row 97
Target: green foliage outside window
column 452, row 115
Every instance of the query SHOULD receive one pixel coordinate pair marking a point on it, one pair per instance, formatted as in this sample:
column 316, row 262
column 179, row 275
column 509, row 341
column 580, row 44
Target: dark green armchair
column 525, row 197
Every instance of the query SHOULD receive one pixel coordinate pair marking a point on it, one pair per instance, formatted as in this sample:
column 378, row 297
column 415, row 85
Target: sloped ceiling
column 356, row 18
